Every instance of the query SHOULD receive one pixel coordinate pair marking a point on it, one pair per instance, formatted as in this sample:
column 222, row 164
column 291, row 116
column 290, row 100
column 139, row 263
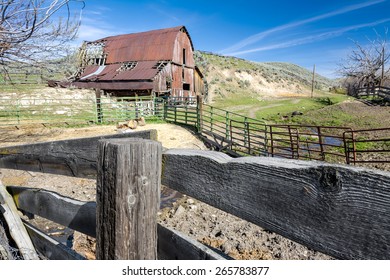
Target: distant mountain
column 227, row 75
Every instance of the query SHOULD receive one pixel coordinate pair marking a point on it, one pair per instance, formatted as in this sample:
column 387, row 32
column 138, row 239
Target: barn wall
column 164, row 76
column 183, row 42
column 199, row 84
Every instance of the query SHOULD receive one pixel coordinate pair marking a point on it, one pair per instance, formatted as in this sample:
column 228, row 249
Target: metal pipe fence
column 226, row 131
column 307, row 142
column 367, row 146
column 76, row 111
column 239, row 135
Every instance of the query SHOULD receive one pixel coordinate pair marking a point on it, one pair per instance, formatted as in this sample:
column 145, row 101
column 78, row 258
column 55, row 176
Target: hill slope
column 230, row 76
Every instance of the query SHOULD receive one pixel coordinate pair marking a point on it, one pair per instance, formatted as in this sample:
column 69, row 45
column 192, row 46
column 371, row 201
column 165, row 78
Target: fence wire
column 77, row 111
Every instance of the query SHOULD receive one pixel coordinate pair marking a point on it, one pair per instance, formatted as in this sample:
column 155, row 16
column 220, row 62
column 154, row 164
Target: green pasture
column 278, row 110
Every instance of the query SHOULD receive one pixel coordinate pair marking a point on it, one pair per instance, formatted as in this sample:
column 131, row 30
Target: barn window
column 160, row 64
column 127, row 66
column 93, row 54
column 184, row 56
column 186, row 86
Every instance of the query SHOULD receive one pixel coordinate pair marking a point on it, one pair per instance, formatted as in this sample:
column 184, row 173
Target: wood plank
column 127, row 199
column 339, row 210
column 74, row 157
column 49, row 247
column 15, row 225
column 173, row 245
column 77, row 215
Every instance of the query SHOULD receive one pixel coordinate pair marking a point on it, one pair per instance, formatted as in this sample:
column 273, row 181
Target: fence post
column 99, row 112
column 227, row 122
column 199, row 112
column 127, row 198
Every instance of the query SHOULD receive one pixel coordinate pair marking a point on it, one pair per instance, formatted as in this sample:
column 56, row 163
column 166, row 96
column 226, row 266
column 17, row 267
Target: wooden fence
column 339, row 210
column 375, row 92
column 79, row 158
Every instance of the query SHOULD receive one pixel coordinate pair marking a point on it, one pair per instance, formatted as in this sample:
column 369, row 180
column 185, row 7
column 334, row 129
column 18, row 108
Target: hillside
column 228, row 76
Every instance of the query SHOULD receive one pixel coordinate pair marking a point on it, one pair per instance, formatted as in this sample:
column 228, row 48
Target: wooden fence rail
column 374, row 92
column 339, row 210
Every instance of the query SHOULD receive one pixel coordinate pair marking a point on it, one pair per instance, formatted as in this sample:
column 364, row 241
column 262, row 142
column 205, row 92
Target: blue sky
column 300, row 32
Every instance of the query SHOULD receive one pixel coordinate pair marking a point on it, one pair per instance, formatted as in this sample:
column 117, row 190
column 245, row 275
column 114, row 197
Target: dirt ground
column 233, row 236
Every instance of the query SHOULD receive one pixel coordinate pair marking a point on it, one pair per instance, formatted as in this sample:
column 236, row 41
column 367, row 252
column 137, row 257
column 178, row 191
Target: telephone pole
column 312, row 81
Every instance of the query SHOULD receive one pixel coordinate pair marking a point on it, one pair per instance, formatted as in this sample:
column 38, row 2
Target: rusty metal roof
column 132, row 61
column 143, row 70
column 122, row 85
column 143, row 46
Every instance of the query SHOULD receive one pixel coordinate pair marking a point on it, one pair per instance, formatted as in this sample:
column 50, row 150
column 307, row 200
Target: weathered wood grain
column 77, row 215
column 15, row 225
column 127, row 199
column 75, row 157
column 173, row 245
column 339, row 210
column 49, row 247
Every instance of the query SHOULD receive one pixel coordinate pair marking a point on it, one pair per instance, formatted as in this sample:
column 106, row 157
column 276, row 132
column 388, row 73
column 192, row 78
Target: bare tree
column 34, row 31
column 367, row 66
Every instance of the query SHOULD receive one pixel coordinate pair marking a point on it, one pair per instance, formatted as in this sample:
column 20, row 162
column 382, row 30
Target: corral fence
column 21, row 111
column 221, row 130
column 24, row 76
column 374, row 93
column 339, row 210
column 238, row 135
column 234, row 134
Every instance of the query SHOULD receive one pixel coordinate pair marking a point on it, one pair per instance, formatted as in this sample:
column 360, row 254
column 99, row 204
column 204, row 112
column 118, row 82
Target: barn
column 153, row 63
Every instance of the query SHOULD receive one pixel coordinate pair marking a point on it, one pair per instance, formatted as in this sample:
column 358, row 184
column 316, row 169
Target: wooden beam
column 173, row 245
column 127, row 199
column 77, row 215
column 49, row 247
column 15, row 225
column 339, row 210
column 75, row 157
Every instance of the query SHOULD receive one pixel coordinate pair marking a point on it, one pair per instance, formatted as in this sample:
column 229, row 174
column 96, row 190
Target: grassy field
column 279, row 109
column 21, row 88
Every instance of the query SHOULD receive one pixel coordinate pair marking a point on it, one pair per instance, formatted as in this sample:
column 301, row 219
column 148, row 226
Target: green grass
column 273, row 111
column 21, row 88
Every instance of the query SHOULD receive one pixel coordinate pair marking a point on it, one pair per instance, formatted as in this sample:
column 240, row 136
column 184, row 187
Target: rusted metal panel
column 144, row 70
column 150, row 45
column 123, row 85
column 183, row 41
column 89, row 70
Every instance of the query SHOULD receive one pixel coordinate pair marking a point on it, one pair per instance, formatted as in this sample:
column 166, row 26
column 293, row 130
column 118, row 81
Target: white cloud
column 257, row 37
column 309, row 39
column 91, row 33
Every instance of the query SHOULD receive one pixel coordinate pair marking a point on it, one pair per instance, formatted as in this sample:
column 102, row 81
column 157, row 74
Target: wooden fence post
column 128, row 198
